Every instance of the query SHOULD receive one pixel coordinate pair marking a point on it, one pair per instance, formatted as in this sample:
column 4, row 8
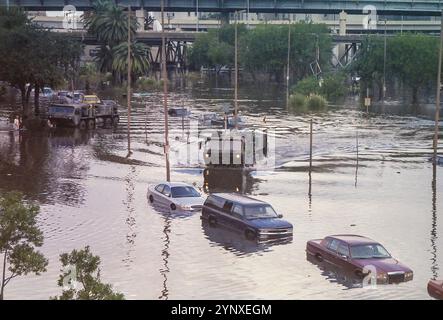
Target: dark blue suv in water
column 256, row 219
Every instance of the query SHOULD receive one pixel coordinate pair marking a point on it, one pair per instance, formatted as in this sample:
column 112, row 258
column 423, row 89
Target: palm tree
column 139, row 59
column 109, row 23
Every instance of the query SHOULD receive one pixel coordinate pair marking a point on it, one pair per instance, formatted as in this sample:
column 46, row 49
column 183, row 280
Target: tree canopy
column 19, row 238
column 80, row 278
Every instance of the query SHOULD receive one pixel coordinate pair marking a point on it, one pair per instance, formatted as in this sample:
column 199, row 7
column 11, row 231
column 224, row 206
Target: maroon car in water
column 435, row 289
column 359, row 256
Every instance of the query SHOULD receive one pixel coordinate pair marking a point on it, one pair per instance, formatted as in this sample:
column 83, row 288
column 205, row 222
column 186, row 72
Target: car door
column 237, row 217
column 225, row 215
column 166, row 195
column 157, row 193
column 331, row 251
column 343, row 255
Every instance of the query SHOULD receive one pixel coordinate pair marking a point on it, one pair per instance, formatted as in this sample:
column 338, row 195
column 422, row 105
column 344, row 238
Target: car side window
column 343, row 249
column 227, row 207
column 159, row 188
column 237, row 211
column 167, row 191
column 333, row 245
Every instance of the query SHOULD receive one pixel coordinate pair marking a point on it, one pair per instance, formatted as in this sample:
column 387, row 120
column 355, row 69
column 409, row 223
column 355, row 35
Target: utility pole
column 287, row 65
column 236, row 75
column 384, row 66
column 437, row 100
column 196, row 12
column 128, row 94
column 165, row 93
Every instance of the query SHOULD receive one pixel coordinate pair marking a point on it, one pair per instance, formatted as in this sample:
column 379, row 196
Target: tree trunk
column 2, row 288
column 414, row 96
column 36, row 99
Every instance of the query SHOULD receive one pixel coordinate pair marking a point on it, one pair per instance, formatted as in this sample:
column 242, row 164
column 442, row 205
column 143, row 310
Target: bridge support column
column 140, row 16
column 342, row 31
column 224, row 18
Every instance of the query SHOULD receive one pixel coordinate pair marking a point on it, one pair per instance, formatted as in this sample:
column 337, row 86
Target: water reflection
column 236, row 242
column 434, row 236
column 164, row 271
column 228, row 180
column 334, row 274
column 45, row 166
column 130, row 218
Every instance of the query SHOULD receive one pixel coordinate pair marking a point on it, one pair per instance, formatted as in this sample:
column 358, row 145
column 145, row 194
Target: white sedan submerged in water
column 176, row 196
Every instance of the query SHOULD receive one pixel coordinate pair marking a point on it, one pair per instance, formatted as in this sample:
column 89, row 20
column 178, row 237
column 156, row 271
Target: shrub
column 333, row 86
column 307, row 86
column 297, row 100
column 146, row 84
column 316, row 101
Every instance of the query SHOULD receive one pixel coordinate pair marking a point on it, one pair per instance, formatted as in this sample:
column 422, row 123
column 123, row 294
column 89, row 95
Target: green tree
column 81, row 268
column 19, row 236
column 109, row 23
column 139, row 59
column 411, row 58
column 265, row 49
column 32, row 55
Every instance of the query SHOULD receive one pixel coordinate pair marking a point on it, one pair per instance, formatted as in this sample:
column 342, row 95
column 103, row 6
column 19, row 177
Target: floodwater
column 90, row 193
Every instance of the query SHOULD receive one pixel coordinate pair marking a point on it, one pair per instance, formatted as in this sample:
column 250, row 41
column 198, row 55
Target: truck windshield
column 61, row 109
column 260, row 212
column 369, row 251
column 184, row 192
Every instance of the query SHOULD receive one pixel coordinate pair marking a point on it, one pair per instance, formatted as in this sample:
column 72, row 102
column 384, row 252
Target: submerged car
column 359, row 255
column 255, row 218
column 435, row 289
column 176, row 196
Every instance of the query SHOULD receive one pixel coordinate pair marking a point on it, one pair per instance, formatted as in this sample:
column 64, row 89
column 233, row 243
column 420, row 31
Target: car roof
column 238, row 198
column 176, row 184
column 352, row 239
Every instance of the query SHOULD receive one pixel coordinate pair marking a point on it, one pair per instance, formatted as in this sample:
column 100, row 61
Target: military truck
column 72, row 115
column 106, row 113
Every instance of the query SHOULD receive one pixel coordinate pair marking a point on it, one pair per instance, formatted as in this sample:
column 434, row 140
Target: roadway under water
column 91, row 194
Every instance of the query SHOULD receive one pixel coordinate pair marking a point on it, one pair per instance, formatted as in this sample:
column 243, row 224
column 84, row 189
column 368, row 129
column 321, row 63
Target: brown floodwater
column 91, row 194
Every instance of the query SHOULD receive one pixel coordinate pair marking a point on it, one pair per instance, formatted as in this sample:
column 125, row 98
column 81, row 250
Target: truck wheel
column 250, row 235
column 108, row 122
column 82, row 125
column 91, row 124
column 116, row 120
column 212, row 221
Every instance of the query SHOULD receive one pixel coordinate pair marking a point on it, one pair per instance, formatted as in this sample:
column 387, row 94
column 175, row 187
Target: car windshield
column 61, row 109
column 369, row 251
column 184, row 192
column 260, row 212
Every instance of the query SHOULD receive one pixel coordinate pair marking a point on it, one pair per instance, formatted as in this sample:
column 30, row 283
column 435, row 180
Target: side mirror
column 280, row 216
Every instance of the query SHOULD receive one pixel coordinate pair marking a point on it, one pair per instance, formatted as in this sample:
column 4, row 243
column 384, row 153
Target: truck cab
column 72, row 115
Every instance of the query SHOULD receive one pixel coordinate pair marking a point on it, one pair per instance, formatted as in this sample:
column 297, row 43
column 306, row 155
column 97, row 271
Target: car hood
column 271, row 223
column 385, row 265
column 191, row 201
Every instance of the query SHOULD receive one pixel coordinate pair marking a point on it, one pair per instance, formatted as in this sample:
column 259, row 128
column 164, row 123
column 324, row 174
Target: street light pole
column 247, row 14
column 165, row 93
column 128, row 94
column 235, row 74
column 287, row 65
column 384, row 66
column 437, row 100
column 197, row 27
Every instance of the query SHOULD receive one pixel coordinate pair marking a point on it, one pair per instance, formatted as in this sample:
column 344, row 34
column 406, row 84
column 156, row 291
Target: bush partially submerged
column 315, row 102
